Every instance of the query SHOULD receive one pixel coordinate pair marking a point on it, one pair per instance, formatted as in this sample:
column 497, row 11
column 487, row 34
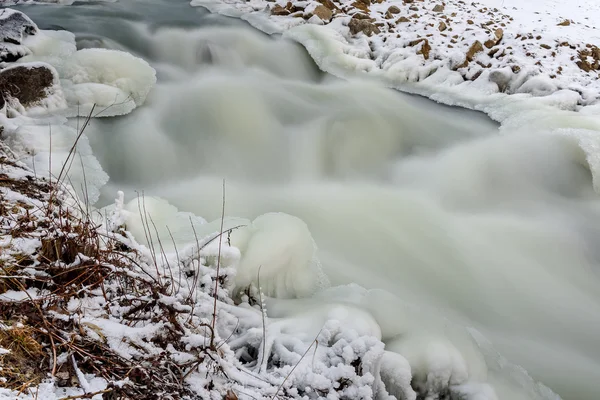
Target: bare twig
column 214, row 319
column 264, row 323
column 86, row 395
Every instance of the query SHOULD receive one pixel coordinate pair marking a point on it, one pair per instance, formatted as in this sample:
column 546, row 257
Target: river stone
column 279, row 10
column 475, row 48
column 362, row 25
column 323, row 13
column 424, row 49
column 329, row 4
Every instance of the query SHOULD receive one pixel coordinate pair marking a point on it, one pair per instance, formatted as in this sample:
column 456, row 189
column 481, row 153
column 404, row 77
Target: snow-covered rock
column 14, row 27
column 31, row 85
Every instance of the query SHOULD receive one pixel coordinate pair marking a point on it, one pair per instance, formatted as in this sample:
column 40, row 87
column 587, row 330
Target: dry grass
column 20, row 367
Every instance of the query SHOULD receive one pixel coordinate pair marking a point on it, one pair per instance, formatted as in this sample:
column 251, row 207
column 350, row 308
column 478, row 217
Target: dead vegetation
column 53, row 258
column 45, row 337
column 20, row 366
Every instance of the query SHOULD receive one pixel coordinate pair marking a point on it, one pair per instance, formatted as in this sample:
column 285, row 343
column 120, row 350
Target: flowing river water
column 430, row 203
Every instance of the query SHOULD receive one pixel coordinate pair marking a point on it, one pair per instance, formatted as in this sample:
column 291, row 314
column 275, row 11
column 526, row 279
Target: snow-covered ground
column 451, row 51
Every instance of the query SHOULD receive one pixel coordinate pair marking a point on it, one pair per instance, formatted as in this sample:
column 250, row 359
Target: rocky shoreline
column 411, row 40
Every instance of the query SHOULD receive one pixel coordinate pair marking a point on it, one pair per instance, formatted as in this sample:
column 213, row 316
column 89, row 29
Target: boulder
column 14, row 27
column 393, row 10
column 12, row 52
column 28, row 83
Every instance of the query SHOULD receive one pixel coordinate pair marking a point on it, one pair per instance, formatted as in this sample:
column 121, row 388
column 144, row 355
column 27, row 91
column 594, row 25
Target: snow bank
column 44, row 144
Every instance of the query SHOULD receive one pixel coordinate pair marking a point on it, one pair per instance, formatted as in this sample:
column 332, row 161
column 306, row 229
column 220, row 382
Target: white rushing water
column 465, row 227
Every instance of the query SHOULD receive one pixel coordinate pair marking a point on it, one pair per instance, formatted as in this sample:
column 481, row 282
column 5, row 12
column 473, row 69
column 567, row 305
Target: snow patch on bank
column 44, row 145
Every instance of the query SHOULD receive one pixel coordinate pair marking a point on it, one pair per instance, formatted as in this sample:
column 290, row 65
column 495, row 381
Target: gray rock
column 14, row 26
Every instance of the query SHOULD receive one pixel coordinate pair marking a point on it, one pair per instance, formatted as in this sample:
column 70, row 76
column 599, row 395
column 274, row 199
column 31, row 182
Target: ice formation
column 108, row 81
column 276, row 249
column 115, row 82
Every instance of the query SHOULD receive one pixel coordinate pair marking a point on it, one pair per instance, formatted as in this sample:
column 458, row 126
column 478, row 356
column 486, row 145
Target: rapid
column 453, row 224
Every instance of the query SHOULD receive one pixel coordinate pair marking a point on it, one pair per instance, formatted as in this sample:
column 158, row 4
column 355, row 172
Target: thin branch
column 214, row 320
